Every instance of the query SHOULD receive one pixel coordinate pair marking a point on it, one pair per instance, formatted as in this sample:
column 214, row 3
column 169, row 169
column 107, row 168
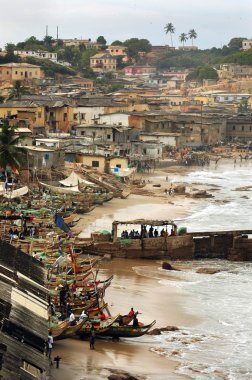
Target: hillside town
column 89, row 118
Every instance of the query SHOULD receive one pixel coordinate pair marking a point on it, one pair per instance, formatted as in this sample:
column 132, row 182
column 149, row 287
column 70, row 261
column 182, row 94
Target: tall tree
column 135, row 45
column 10, row 154
column 101, row 40
column 48, row 40
column 17, row 91
column 169, row 28
column 183, row 38
column 192, row 35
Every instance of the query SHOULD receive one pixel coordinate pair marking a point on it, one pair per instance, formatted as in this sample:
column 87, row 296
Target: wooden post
column 114, row 226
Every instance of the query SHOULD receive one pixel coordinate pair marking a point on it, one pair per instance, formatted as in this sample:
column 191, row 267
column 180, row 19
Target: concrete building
column 79, row 41
column 10, row 72
column 247, row 44
column 232, row 70
column 239, row 128
column 103, row 63
column 118, row 50
column 139, row 70
column 40, row 54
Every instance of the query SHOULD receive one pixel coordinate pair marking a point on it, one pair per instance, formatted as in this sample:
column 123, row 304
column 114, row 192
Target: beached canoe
column 129, row 331
column 70, row 330
column 57, row 329
column 99, row 326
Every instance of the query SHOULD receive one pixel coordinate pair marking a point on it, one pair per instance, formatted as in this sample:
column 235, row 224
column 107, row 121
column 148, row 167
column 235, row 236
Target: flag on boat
column 59, row 221
column 73, row 258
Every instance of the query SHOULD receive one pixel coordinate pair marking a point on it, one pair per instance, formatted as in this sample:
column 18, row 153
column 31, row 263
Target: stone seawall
column 231, row 245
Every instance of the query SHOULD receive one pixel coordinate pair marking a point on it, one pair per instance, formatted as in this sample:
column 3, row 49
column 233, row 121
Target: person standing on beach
column 50, row 346
column 92, row 338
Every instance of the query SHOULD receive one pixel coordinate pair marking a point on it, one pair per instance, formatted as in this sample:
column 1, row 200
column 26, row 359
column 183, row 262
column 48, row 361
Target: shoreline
column 135, row 283
column 139, row 288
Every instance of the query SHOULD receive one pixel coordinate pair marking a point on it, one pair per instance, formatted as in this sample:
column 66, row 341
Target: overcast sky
column 215, row 21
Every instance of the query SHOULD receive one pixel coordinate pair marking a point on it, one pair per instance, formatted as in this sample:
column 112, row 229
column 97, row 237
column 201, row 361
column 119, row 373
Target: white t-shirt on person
column 50, row 341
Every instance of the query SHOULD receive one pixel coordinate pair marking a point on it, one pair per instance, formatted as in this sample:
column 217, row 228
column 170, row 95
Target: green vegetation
column 117, row 43
column 202, row 72
column 169, row 28
column 10, row 154
column 17, row 91
column 230, row 53
column 183, row 38
column 79, row 56
column 241, row 58
column 51, row 69
column 136, row 45
column 192, row 35
column 188, row 59
column 101, row 40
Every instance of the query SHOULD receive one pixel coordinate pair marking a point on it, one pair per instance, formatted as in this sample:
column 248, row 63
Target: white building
column 246, row 44
column 40, row 54
column 117, row 118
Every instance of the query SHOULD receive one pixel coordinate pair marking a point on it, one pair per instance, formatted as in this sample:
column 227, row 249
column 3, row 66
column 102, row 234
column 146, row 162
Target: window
column 233, row 127
column 242, row 128
column 108, row 137
column 39, row 115
column 75, row 116
column 16, row 72
column 32, row 369
column 119, row 166
column 95, row 164
column 65, row 116
column 83, row 116
column 82, row 133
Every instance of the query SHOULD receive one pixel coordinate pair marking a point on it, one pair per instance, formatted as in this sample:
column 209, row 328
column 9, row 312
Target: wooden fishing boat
column 57, row 329
column 92, row 312
column 129, row 331
column 125, row 320
column 99, row 326
column 70, row 330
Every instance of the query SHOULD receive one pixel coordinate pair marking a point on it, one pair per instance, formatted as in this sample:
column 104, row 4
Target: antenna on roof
column 46, row 30
column 57, row 33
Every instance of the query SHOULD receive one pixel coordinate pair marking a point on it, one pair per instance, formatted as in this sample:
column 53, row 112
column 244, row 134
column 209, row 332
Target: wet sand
column 135, row 284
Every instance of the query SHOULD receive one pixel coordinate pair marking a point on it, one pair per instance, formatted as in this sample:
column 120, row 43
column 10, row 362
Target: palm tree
column 169, row 28
column 17, row 91
column 11, row 155
column 183, row 38
column 192, row 35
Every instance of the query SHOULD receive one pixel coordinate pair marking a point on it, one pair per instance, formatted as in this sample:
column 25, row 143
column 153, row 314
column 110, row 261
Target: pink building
column 139, row 70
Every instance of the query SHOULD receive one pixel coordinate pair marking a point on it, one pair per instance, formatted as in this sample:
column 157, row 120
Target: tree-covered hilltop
column 79, row 56
column 192, row 59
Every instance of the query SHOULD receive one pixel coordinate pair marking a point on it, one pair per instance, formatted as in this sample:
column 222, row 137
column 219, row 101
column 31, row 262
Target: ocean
column 220, row 347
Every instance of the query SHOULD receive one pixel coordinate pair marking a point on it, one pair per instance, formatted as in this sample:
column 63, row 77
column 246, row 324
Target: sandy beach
column 135, row 284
